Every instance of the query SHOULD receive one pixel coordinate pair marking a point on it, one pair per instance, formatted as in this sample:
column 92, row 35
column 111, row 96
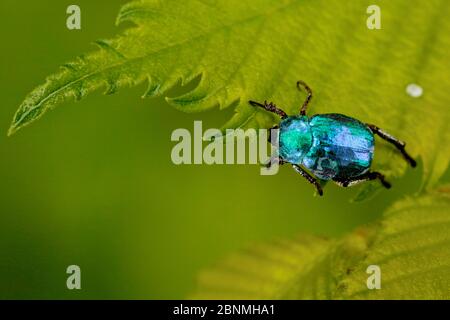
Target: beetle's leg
column 308, row 90
column 400, row 145
column 280, row 161
column 309, row 177
column 269, row 136
column 269, row 106
column 369, row 176
column 275, row 158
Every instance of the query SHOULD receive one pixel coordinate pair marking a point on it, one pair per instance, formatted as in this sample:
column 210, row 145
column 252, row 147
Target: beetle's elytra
column 329, row 146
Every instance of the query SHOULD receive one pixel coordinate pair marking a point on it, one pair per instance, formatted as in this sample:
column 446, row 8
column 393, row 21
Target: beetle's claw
column 319, row 191
column 386, row 184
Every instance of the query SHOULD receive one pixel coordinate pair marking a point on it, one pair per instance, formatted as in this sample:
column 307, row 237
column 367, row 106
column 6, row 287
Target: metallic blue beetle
column 329, row 146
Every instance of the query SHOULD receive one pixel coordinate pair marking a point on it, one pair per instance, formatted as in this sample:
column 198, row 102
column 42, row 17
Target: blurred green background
column 92, row 183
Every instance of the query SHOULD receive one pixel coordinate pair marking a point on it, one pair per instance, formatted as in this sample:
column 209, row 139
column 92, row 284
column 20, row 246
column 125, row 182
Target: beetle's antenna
column 269, row 107
column 301, row 84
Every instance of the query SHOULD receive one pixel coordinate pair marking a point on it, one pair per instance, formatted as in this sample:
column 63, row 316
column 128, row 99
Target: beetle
column 329, row 146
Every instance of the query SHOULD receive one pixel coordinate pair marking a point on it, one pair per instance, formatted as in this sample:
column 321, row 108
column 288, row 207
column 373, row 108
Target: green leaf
column 305, row 268
column 368, row 191
column 258, row 49
column 412, row 250
column 410, row 245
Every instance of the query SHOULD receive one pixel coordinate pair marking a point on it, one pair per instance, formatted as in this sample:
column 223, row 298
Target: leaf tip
column 11, row 131
column 14, row 127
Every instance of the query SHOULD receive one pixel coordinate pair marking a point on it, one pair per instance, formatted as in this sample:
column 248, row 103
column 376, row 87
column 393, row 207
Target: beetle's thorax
column 295, row 138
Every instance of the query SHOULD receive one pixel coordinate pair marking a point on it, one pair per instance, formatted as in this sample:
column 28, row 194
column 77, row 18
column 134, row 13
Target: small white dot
column 414, row 90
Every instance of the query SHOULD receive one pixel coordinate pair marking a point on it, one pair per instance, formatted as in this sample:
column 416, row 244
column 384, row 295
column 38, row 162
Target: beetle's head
column 295, row 138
